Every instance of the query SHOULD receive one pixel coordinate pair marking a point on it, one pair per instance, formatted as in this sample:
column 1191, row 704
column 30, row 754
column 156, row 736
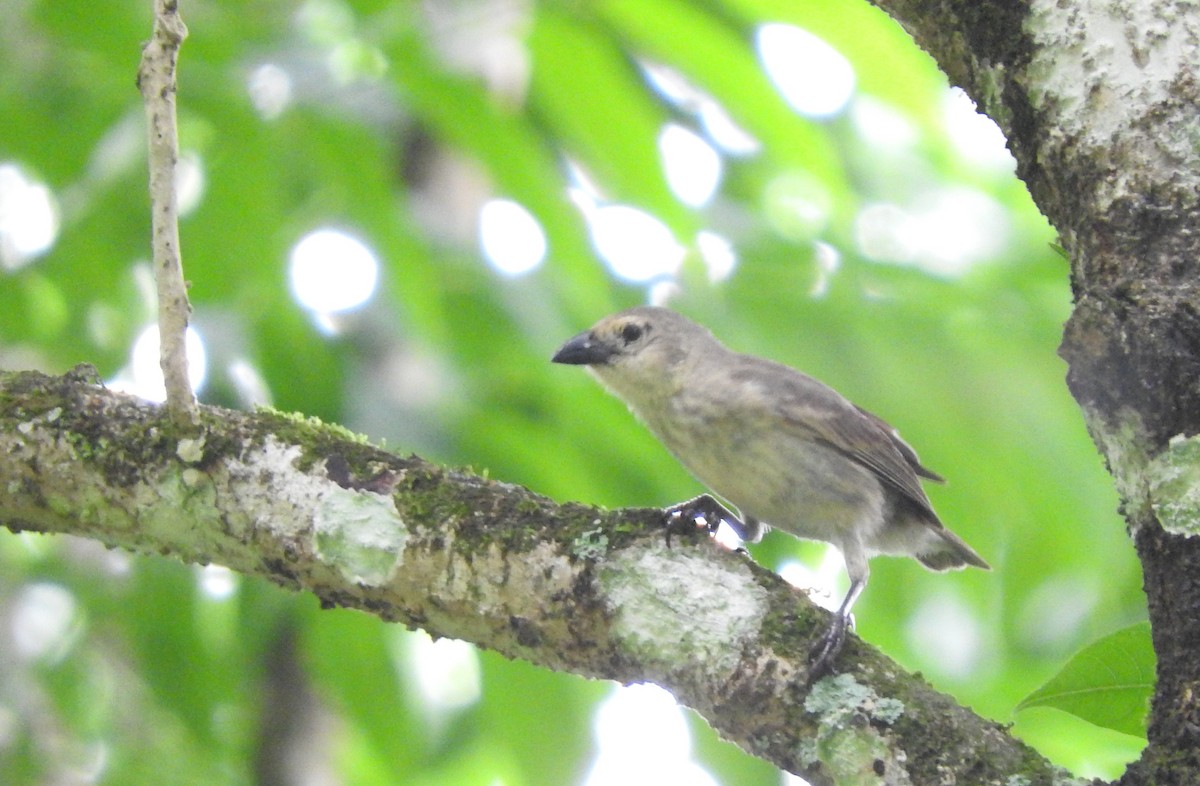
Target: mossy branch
column 315, row 508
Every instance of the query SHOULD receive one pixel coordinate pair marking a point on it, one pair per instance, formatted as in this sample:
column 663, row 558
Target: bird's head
column 639, row 353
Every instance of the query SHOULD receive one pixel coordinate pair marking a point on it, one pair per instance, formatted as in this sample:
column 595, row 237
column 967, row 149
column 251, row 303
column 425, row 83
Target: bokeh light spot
column 511, row 238
column 881, row 125
column 1051, row 619
column 636, row 245
column 725, row 132
column 446, row 672
column 217, row 582
column 825, row 584
column 718, row 254
column 974, row 135
column 643, row 738
column 143, row 376
column 814, row 78
column 692, row 166
column 189, row 182
column 944, row 628
column 248, row 381
column 797, row 205
column 42, row 619
column 948, row 232
column 29, row 217
column 332, row 271
column 270, row 89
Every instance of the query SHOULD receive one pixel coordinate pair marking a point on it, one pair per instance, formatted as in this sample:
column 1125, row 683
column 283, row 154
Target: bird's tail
column 951, row 552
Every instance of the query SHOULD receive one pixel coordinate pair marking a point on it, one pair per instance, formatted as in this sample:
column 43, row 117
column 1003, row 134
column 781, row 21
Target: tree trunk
column 1099, row 104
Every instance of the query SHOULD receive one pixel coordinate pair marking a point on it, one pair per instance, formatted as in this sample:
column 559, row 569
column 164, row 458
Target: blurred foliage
column 395, row 122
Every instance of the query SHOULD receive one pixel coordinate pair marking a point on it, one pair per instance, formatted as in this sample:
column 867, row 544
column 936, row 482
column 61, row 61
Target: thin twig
column 156, row 80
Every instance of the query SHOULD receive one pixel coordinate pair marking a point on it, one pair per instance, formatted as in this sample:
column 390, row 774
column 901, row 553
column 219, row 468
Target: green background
column 153, row 680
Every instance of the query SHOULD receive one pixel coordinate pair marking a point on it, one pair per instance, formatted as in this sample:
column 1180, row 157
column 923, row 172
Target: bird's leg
column 822, row 656
column 683, row 519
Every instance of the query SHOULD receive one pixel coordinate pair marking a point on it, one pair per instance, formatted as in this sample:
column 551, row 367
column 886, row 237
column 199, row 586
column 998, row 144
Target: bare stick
column 156, row 80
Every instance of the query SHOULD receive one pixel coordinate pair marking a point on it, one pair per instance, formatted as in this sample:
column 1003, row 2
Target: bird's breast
column 771, row 473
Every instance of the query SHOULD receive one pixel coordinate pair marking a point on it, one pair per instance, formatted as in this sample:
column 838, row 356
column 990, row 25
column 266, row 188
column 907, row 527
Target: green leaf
column 1107, row 683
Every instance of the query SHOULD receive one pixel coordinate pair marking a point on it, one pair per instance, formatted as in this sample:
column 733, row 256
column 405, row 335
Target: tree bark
column 1099, row 105
column 602, row 594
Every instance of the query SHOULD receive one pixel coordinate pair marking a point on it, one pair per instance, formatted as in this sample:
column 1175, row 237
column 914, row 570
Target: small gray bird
column 784, row 449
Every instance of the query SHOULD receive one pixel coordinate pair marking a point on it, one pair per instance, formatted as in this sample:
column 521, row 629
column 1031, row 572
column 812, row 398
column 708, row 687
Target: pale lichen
column 1098, row 72
column 1173, row 477
column 360, row 534
column 849, row 743
column 590, row 545
column 1122, row 444
column 669, row 605
column 190, row 450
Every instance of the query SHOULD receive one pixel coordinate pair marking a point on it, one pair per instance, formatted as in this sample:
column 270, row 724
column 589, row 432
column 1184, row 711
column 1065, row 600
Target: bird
column 782, row 448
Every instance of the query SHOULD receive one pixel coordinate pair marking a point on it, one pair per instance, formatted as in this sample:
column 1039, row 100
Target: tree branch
column 314, row 508
column 156, row 80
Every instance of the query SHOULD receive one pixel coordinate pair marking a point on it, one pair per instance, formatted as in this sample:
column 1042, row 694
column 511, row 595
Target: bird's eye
column 631, row 333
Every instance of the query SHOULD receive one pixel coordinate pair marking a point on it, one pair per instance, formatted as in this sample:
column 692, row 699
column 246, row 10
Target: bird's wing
column 905, row 449
column 808, row 406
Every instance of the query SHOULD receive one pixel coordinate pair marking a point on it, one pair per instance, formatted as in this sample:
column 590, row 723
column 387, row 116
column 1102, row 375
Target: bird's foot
column 702, row 513
column 824, row 654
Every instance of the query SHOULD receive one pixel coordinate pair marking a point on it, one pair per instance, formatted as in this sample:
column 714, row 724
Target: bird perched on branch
column 784, row 449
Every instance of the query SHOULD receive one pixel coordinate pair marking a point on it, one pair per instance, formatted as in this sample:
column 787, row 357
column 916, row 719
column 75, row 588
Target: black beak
column 583, row 350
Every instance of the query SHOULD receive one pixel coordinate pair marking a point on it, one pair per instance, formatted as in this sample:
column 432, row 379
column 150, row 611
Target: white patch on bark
column 669, row 604
column 1101, row 68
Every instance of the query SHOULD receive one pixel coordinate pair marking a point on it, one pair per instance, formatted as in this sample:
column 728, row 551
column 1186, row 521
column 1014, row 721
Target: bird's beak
column 583, row 350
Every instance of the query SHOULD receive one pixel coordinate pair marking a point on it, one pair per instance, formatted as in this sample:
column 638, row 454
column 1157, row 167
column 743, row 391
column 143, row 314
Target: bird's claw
column 823, row 655
column 686, row 517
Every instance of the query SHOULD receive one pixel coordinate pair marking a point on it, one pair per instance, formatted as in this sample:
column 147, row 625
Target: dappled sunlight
column 249, row 383
column 661, row 293
column 635, row 245
column 722, row 130
column 692, row 166
column 217, row 582
column 825, row 583
column 974, row 135
column 511, row 238
column 719, row 256
column 882, row 126
column 1053, row 615
column 190, row 181
column 332, row 271
column 394, row 212
column 444, row 673
column 945, row 232
column 349, row 56
column 797, row 205
column 945, row 632
column 814, row 78
column 29, row 217
column 725, row 132
column 143, row 376
column 485, row 39
column 827, row 259
column 643, row 740
column 44, row 621
column 788, row 779
column 270, row 89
